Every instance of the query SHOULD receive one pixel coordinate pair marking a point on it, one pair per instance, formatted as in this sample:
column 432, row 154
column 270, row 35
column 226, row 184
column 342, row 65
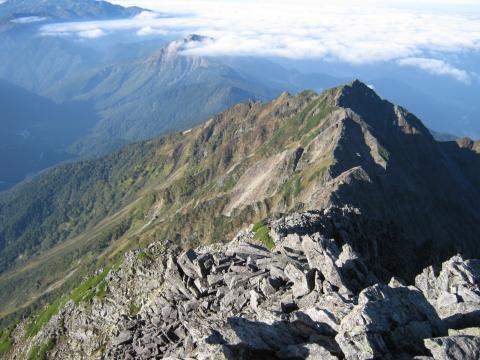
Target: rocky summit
column 298, row 287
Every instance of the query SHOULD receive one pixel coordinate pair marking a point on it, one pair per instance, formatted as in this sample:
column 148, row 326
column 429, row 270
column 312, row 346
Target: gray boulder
column 302, row 283
column 310, row 351
column 311, row 297
column 122, row 338
column 454, row 347
column 455, row 292
column 388, row 321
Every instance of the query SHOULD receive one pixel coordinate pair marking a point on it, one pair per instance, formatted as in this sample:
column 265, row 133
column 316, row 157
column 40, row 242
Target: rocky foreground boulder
column 311, row 296
column 454, row 291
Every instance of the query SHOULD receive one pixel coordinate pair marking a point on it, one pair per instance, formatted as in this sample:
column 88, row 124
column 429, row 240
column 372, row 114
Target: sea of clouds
column 421, row 34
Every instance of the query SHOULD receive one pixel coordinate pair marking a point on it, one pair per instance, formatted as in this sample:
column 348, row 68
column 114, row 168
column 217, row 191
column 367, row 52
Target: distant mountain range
column 134, row 96
column 163, row 92
column 254, row 160
column 37, row 62
column 65, row 10
column 133, row 89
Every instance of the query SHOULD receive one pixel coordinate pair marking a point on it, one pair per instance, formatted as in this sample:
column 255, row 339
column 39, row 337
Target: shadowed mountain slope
column 36, row 135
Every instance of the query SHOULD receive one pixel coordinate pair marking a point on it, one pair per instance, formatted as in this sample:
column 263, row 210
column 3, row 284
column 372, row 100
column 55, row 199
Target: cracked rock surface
column 311, row 297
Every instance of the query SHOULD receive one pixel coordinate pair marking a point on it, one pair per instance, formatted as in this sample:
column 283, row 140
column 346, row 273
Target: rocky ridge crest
column 312, row 296
column 254, row 160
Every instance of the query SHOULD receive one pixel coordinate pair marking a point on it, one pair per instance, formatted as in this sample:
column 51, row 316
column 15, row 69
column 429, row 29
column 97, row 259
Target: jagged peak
column 359, row 84
column 281, row 99
column 284, row 95
column 468, row 143
column 176, row 47
column 188, row 42
column 308, row 93
column 181, row 44
column 196, row 38
column 380, row 114
column 356, row 91
column 465, row 142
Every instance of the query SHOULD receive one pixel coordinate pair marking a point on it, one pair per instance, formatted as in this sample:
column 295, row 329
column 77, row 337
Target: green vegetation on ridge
column 5, row 340
column 45, row 316
column 177, row 188
column 87, row 289
column 82, row 216
column 93, row 286
column 39, row 352
column 261, row 232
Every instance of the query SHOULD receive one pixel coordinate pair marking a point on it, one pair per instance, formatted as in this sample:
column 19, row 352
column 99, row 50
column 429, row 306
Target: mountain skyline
column 440, row 70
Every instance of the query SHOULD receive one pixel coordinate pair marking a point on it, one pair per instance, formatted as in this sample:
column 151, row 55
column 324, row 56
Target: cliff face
column 310, row 296
column 396, row 172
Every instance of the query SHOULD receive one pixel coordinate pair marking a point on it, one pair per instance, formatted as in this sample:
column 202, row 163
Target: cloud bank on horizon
column 420, row 34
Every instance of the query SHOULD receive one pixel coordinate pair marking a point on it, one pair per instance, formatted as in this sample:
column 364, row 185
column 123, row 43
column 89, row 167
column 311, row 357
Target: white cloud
column 81, row 32
column 148, row 30
column 146, row 15
column 91, row 33
column 356, row 32
column 28, row 19
column 436, row 67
